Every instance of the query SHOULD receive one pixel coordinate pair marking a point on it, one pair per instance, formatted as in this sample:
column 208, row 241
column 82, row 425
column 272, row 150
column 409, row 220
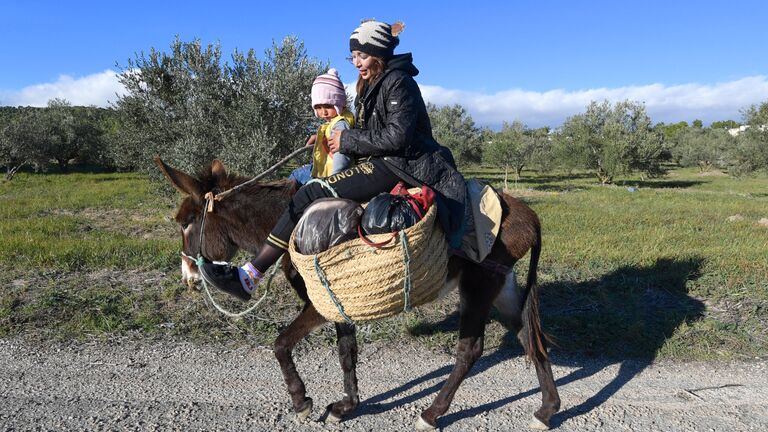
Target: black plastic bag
column 388, row 213
column 325, row 223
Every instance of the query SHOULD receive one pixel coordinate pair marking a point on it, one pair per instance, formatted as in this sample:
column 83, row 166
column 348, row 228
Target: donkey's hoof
column 422, row 425
column 537, row 424
column 332, row 418
column 303, row 413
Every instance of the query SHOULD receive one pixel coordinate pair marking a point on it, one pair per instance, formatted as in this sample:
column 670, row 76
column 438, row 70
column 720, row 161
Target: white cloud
column 96, row 89
column 721, row 101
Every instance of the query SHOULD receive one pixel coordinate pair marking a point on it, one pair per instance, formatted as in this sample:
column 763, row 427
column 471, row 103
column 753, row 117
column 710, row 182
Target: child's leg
column 301, row 174
column 340, row 162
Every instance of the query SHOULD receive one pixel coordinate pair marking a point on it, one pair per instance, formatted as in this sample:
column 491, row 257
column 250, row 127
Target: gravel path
column 181, row 386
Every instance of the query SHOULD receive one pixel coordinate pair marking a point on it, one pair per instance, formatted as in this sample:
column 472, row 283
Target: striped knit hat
column 376, row 38
column 327, row 89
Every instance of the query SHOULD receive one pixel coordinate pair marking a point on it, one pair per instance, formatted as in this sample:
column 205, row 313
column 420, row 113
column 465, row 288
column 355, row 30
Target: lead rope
column 199, row 261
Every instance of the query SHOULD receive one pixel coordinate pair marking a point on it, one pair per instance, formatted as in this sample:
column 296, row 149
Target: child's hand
column 334, row 142
column 311, row 140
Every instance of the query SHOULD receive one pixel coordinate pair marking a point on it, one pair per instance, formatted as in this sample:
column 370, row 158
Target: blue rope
column 327, row 285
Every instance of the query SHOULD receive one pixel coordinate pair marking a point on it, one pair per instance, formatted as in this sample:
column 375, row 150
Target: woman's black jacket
column 392, row 123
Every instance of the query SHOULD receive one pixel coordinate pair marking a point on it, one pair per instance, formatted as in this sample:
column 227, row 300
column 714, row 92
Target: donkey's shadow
column 592, row 322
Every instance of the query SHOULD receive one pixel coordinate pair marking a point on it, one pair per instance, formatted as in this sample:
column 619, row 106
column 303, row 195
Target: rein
column 210, row 197
column 208, row 208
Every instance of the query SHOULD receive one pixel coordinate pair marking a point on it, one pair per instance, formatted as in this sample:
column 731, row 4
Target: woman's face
column 363, row 63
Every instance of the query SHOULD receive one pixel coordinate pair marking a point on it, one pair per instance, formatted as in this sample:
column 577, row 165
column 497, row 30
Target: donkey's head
column 218, row 244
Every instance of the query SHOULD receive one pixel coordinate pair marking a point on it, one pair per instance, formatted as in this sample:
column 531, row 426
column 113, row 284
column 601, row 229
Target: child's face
column 325, row 112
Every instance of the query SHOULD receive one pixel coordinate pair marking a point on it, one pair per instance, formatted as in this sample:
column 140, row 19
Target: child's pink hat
column 327, row 89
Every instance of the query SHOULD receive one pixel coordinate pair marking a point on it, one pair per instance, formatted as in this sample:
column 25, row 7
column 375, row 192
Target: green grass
column 658, row 272
column 85, row 221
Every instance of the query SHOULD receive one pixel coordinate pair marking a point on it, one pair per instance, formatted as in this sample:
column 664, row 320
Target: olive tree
column 513, row 147
column 750, row 152
column 703, row 148
column 21, row 134
column 611, row 140
column 453, row 127
column 189, row 107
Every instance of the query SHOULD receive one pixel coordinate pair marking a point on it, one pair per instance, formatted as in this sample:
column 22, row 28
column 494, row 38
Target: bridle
column 200, row 259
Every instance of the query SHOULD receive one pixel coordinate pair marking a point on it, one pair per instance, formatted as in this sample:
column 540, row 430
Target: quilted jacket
column 392, row 123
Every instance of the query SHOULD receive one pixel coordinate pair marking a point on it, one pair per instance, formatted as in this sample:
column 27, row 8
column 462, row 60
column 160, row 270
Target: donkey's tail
column 535, row 345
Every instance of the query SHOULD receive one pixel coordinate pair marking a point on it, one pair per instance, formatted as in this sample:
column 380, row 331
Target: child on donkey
column 329, row 101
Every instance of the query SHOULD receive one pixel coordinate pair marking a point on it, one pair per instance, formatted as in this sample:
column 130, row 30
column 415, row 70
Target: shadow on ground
column 660, row 184
column 623, row 317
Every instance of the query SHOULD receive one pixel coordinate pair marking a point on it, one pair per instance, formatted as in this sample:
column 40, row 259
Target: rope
column 200, row 261
column 407, row 284
column 327, row 286
column 269, row 170
column 325, row 185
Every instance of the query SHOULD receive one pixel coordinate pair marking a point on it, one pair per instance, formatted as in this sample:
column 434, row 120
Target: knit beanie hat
column 327, row 89
column 376, row 38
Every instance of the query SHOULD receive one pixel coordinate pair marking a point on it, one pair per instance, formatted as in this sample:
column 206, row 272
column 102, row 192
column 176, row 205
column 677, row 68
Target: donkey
column 244, row 219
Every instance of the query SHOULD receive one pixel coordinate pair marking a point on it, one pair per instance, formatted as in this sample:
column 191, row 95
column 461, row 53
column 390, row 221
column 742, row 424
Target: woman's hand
column 334, row 142
column 311, row 140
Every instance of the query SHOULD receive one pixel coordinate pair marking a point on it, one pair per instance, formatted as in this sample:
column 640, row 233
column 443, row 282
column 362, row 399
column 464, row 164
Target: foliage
column 703, row 148
column 611, row 140
column 59, row 141
column 751, row 150
column 20, row 133
column 724, row 124
column 453, row 127
column 513, row 147
column 189, row 108
column 671, row 134
column 59, row 132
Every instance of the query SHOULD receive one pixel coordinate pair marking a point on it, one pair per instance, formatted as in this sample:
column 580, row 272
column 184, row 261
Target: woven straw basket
column 356, row 282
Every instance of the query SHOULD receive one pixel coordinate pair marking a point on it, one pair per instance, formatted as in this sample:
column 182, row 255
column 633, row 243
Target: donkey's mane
column 211, row 182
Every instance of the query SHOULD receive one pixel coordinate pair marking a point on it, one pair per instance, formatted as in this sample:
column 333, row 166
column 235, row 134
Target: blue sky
column 534, row 61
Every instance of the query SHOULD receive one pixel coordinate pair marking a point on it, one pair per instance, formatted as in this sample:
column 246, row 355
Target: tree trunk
column 506, row 175
column 603, row 176
column 63, row 164
column 518, row 174
column 12, row 170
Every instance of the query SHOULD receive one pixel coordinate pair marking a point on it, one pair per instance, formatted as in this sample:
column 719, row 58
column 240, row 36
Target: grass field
column 656, row 271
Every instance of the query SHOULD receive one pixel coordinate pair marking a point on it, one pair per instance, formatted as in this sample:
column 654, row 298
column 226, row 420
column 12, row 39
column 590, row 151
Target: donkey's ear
column 218, row 170
column 183, row 182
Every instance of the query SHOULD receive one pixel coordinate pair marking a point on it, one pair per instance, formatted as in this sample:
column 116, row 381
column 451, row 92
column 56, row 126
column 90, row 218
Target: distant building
column 740, row 129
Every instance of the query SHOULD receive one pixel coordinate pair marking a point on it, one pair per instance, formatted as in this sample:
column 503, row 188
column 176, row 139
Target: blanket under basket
column 357, row 282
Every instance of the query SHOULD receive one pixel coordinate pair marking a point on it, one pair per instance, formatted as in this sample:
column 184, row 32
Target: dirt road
column 181, row 386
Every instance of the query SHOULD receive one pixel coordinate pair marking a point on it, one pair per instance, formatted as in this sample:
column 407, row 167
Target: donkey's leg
column 347, row 344
column 308, row 320
column 476, row 302
column 518, row 318
column 550, row 399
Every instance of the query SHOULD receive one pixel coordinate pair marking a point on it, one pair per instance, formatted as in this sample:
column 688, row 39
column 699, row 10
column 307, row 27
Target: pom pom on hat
column 327, row 89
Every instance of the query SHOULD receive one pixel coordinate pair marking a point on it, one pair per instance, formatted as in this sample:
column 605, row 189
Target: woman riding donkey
column 391, row 141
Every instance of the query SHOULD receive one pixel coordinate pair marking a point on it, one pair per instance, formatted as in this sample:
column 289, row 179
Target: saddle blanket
column 482, row 220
